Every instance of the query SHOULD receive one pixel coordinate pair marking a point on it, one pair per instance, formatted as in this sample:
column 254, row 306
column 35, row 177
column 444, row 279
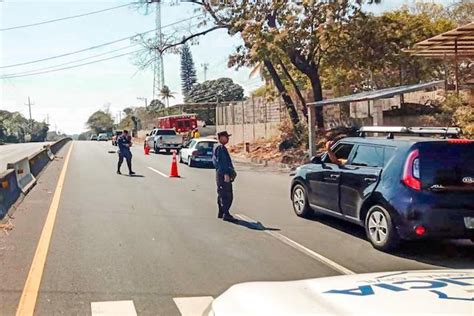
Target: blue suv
column 397, row 188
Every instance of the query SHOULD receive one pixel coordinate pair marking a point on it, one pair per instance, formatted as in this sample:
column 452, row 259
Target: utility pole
column 158, row 70
column 29, row 104
column 47, row 118
column 143, row 99
column 205, row 66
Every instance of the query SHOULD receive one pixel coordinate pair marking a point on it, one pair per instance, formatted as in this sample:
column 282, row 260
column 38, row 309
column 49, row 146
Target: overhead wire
column 65, row 18
column 97, row 46
column 70, row 67
column 71, row 62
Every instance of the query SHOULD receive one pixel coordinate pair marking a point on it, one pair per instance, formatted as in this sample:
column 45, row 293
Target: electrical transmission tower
column 158, row 70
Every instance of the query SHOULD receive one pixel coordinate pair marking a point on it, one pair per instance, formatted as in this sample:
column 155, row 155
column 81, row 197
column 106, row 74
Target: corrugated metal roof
column 379, row 94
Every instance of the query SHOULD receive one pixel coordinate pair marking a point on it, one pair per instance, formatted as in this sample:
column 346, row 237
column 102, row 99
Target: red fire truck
column 180, row 123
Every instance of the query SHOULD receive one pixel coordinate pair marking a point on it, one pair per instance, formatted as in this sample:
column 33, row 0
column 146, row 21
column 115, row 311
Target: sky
column 68, row 97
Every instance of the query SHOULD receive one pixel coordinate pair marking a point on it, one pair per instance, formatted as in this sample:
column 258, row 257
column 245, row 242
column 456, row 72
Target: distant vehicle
column 93, row 137
column 164, row 139
column 180, row 123
column 115, row 136
column 397, row 188
column 429, row 292
column 103, row 137
column 197, row 151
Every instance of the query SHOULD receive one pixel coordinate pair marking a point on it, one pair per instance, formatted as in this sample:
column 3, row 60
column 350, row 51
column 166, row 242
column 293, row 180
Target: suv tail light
column 411, row 171
column 195, row 153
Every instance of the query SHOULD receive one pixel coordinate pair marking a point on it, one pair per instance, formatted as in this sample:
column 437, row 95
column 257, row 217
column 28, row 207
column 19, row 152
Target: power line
column 64, row 68
column 65, row 18
column 70, row 62
column 96, row 46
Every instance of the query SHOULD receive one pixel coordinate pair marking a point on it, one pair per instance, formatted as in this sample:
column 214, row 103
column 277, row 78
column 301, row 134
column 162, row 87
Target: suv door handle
column 334, row 176
column 370, row 179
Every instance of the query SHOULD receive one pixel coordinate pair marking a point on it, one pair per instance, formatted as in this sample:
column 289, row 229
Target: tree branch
column 187, row 38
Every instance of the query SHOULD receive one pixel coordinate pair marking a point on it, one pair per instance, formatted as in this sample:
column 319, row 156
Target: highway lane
column 13, row 152
column 150, row 239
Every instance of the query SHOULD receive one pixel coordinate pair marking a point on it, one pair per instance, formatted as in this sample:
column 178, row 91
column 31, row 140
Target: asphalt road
column 13, row 152
column 150, row 239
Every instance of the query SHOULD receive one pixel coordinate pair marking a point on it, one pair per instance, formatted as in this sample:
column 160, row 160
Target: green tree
column 100, row 122
column 166, row 94
column 188, row 71
column 371, row 53
column 222, row 89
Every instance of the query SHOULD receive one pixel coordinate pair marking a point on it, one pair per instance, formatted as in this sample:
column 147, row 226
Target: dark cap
column 125, row 131
column 224, row 133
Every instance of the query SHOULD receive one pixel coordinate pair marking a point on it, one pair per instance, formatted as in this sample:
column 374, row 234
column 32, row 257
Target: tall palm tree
column 166, row 94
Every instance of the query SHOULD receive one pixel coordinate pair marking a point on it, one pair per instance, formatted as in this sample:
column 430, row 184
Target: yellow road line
column 26, row 307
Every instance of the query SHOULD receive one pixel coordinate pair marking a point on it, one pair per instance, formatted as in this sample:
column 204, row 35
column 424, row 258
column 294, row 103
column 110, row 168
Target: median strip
column 333, row 265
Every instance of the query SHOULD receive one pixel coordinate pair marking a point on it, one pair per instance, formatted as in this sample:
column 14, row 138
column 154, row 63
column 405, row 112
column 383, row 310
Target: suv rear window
column 448, row 165
column 165, row 132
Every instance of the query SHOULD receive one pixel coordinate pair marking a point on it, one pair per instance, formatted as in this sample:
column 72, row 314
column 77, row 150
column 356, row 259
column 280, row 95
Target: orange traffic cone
column 174, row 167
column 147, row 149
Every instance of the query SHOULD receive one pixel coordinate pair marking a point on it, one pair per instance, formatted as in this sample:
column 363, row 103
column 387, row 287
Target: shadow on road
column 133, row 175
column 252, row 225
column 456, row 254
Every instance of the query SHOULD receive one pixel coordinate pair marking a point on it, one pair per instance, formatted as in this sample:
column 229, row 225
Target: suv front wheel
column 300, row 201
column 380, row 229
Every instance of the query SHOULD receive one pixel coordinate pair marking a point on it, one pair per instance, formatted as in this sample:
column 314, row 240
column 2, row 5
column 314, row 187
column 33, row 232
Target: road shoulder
column 17, row 248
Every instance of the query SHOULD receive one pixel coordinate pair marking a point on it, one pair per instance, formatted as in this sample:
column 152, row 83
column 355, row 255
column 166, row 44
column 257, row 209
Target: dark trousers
column 128, row 157
column 225, row 196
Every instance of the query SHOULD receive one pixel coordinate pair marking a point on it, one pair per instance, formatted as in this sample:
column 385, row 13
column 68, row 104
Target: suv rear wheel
column 380, row 229
column 300, row 201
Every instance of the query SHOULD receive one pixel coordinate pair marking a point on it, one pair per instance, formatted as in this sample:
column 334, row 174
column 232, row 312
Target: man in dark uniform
column 124, row 143
column 225, row 174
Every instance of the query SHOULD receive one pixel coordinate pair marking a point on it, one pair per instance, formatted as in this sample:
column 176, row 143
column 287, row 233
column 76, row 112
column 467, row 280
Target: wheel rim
column 378, row 227
column 298, row 200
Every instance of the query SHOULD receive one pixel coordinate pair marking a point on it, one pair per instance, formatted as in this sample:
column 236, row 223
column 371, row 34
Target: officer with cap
column 124, row 143
column 225, row 175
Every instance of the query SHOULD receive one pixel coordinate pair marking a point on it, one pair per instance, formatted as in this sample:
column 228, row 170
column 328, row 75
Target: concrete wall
column 250, row 132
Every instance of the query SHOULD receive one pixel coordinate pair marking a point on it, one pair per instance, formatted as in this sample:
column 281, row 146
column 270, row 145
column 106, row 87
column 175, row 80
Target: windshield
column 235, row 158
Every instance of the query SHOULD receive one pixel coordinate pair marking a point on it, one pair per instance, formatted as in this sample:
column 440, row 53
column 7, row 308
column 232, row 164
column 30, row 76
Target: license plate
column 469, row 222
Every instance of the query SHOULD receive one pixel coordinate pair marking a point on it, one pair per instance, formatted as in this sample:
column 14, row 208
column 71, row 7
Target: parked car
column 114, row 138
column 93, row 137
column 165, row 139
column 398, row 188
column 426, row 292
column 197, row 151
column 103, row 137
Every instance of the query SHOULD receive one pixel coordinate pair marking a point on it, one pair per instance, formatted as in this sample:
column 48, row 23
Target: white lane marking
column 113, row 308
column 159, row 172
column 302, row 248
column 192, row 306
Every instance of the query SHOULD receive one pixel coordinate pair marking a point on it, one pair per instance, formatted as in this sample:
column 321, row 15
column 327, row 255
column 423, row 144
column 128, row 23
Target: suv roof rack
column 391, row 130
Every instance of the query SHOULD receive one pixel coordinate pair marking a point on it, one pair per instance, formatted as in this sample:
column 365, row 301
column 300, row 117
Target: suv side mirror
column 147, row 134
column 316, row 160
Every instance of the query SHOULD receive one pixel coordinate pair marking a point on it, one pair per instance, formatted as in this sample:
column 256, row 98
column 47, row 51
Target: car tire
column 156, row 149
column 180, row 158
column 299, row 201
column 380, row 229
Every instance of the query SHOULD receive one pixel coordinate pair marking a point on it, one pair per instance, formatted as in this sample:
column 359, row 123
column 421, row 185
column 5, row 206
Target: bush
column 461, row 113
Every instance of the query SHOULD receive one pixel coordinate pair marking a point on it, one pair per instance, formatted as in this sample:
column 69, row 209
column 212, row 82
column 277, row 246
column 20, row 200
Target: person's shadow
column 252, row 225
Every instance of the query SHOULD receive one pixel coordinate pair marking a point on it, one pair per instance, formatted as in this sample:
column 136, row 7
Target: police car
column 430, row 292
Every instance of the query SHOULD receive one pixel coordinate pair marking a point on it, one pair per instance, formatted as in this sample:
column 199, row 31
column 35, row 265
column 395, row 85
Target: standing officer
column 124, row 143
column 225, row 174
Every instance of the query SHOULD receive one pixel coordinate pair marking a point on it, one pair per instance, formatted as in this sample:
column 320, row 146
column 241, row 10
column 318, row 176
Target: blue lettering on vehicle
column 406, row 285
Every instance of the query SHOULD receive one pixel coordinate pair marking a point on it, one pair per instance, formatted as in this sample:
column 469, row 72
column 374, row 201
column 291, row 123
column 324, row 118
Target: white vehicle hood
column 433, row 292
